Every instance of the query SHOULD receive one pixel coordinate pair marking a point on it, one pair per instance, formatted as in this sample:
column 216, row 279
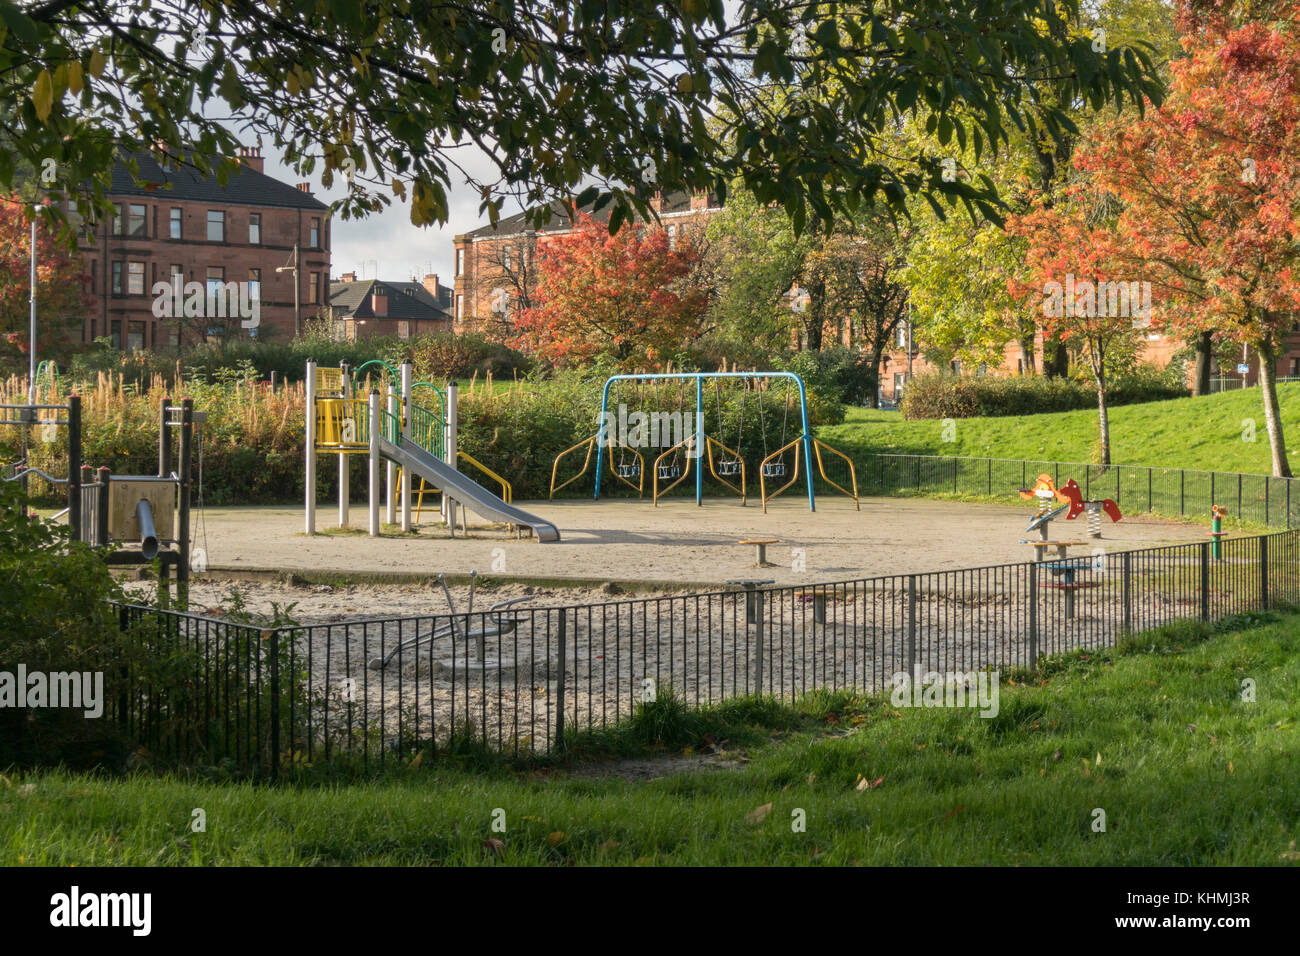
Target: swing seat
column 669, row 471
column 774, row 469
column 730, row 467
column 629, row 471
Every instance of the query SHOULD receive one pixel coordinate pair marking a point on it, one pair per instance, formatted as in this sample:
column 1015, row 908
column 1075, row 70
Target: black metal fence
column 521, row 679
column 1262, row 499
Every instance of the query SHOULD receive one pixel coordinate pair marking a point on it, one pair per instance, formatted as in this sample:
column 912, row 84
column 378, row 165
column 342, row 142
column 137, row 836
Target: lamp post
column 297, row 308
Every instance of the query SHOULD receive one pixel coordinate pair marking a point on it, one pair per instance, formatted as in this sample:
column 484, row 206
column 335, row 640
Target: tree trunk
column 873, row 376
column 1027, row 349
column 1056, row 360
column 1267, row 353
column 1204, row 359
column 1103, row 424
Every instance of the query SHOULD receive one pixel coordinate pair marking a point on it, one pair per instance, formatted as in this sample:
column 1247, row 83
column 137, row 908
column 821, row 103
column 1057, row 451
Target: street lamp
column 297, row 308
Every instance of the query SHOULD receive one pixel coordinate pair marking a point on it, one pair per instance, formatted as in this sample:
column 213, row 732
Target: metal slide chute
column 464, row 489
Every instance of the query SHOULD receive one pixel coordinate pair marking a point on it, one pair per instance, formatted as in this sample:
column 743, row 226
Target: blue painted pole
column 807, row 442
column 699, row 440
column 600, row 433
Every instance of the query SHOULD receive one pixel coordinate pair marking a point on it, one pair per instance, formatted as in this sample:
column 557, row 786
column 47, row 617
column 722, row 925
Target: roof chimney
column 657, row 202
column 379, row 301
column 251, row 156
column 348, row 277
column 431, row 283
column 699, row 200
column 305, row 187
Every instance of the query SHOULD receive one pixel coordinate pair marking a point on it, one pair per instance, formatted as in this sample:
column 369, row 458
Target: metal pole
column 407, row 478
column 453, row 424
column 31, row 334
column 164, row 439
column 807, row 438
column 390, row 488
column 74, row 466
column 601, row 437
column 559, row 686
column 345, row 471
column 310, row 482
column 374, row 463
column 183, row 535
column 699, row 440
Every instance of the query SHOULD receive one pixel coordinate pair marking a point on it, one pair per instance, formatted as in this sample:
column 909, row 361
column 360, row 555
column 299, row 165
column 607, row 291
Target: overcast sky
column 385, row 245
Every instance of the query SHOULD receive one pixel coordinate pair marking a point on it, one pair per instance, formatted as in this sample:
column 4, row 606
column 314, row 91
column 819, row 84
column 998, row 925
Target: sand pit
column 677, row 544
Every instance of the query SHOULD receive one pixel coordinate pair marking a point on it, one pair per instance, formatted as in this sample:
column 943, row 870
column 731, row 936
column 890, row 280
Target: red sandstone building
column 370, row 307
column 495, row 265
column 176, row 222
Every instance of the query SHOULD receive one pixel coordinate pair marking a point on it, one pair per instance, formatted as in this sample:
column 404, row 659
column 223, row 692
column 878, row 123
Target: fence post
column 1266, row 499
column 1182, row 492
column 1263, row 571
column 1149, row 498
column 1126, row 570
column 1117, row 483
column 1288, row 502
column 275, row 703
column 990, row 477
column 1205, row 581
column 757, row 597
column 1033, row 615
column 1238, row 496
column 911, row 624
column 559, row 690
column 1212, row 491
column 954, row 474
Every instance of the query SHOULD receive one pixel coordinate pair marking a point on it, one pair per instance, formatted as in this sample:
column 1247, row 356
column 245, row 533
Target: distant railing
column 1261, row 499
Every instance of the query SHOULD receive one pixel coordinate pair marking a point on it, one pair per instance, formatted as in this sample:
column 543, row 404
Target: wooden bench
column 761, row 544
column 1060, row 547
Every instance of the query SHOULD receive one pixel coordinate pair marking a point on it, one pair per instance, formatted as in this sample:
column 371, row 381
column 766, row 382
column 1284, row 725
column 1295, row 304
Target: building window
column 216, row 225
column 505, row 258
column 115, row 333
column 117, row 218
column 134, row 336
column 174, row 223
column 672, row 237
column 137, row 224
column 178, row 274
column 313, row 234
column 313, row 281
column 460, row 307
column 1295, row 368
column 255, row 228
column 900, row 335
column 135, row 278
column 460, row 261
column 117, row 278
column 216, row 282
column 255, row 285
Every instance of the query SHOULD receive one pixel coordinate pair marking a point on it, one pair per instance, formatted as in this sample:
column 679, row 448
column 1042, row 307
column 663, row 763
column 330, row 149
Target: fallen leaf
column 811, row 778
column 1230, row 770
column 1099, row 759
column 415, row 761
column 758, row 814
column 1056, row 756
column 555, row 837
column 493, row 845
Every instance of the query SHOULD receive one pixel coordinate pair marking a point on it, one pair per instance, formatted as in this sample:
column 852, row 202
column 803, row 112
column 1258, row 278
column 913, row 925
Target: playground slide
column 465, row 490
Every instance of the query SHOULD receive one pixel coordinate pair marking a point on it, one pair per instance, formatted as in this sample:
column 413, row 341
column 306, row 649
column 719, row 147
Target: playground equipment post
column 406, row 434
column 345, row 471
column 310, row 386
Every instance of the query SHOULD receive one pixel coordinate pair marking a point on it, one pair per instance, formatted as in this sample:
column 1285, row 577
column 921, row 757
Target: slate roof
column 518, row 223
column 406, row 300
column 245, row 187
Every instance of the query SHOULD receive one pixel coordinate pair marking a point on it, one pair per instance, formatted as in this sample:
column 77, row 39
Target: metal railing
column 523, row 679
column 1262, row 499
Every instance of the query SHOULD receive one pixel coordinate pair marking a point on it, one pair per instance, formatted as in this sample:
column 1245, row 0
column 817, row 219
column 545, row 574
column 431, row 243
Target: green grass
column 1195, row 433
column 1156, row 735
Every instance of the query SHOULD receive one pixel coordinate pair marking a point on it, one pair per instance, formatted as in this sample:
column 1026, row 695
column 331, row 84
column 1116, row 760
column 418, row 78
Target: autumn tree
column 62, row 291
column 626, row 297
column 1077, row 277
column 1210, row 189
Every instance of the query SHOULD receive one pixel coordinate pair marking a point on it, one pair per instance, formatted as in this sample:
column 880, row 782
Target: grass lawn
column 1196, row 433
column 1157, row 736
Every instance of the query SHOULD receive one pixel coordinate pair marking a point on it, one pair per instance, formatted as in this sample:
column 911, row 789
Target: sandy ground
column 678, row 543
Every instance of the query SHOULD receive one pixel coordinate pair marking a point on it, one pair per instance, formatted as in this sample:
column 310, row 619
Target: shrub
column 937, row 395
